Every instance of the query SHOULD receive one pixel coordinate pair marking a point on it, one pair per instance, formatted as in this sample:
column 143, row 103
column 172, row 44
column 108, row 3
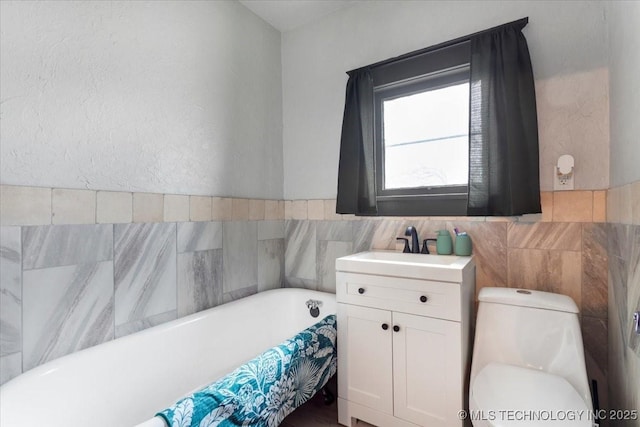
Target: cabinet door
column 365, row 356
column 427, row 369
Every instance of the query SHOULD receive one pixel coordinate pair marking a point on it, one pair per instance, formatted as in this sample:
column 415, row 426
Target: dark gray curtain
column 356, row 175
column 503, row 129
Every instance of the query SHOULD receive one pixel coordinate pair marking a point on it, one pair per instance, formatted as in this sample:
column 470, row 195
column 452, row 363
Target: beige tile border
column 21, row 205
column 273, row 209
column 114, row 207
column 24, row 205
column 176, row 208
column 73, row 206
column 600, row 206
column 635, row 203
column 200, row 208
column 221, row 209
column 256, row 209
column 623, row 204
column 299, row 209
column 148, row 207
column 315, row 209
column 240, row 209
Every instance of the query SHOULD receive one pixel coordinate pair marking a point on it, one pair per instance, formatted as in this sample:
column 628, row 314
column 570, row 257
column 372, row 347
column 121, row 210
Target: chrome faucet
column 415, row 242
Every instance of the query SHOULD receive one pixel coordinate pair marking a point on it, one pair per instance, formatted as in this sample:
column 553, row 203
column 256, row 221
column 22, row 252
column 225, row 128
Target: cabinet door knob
column 423, row 298
column 396, row 328
column 385, row 326
column 361, row 291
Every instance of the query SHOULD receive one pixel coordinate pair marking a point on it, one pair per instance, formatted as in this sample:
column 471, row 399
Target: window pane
column 426, row 141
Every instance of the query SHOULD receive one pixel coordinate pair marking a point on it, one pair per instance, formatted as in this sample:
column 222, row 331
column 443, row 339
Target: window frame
column 434, row 70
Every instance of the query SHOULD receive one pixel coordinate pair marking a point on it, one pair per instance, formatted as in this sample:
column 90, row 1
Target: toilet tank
column 533, row 329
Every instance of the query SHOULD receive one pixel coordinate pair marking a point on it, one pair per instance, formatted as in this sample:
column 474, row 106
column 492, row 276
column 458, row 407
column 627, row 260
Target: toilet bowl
column 528, row 365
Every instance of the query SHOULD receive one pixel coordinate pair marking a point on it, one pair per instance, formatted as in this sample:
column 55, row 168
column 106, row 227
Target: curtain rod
column 523, row 22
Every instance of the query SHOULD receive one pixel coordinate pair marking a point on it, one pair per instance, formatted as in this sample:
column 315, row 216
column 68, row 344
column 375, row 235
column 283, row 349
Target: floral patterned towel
column 266, row 389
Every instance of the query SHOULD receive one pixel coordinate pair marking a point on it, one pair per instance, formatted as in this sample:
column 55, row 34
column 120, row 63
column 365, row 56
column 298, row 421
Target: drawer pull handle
column 385, row 326
column 423, row 298
column 396, row 328
column 361, row 291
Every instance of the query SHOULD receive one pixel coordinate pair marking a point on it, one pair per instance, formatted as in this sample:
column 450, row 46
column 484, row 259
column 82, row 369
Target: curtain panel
column 503, row 130
column 356, row 172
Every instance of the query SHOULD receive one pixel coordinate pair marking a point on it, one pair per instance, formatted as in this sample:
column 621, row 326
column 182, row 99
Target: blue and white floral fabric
column 265, row 390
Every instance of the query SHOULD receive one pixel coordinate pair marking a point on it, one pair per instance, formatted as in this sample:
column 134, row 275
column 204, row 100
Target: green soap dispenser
column 444, row 243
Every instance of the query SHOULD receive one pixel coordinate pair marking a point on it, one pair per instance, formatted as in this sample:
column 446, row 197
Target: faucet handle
column 406, row 244
column 425, row 248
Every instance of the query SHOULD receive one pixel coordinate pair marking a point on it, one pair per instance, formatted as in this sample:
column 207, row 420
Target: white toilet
column 528, row 364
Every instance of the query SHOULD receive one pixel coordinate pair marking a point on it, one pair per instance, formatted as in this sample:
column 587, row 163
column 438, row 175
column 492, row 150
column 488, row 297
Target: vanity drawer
column 422, row 297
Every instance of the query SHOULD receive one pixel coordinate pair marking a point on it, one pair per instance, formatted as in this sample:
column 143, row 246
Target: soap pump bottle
column 444, row 243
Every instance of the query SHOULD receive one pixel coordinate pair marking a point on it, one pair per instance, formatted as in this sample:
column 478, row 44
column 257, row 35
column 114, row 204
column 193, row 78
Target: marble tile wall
column 67, row 290
column 145, row 272
column 163, row 266
column 623, row 247
column 10, row 302
column 199, row 265
column 562, row 250
column 64, row 288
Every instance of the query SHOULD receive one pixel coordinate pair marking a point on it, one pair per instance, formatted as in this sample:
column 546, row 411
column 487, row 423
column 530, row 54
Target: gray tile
column 58, row 245
column 199, row 281
column 239, row 293
column 270, row 264
column 618, row 250
column 328, row 252
column 295, row 282
column 633, row 286
column 594, row 270
column 148, row 322
column 618, row 240
column 618, row 375
column 594, row 333
column 240, row 255
column 10, row 291
column 268, row 230
column 10, row 367
column 199, row 236
column 634, row 338
column 300, row 249
column 376, row 234
column 145, row 270
column 66, row 309
column 335, row 230
column 617, row 295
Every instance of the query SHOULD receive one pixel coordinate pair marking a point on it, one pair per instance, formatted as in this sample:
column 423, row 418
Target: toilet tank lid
column 528, row 298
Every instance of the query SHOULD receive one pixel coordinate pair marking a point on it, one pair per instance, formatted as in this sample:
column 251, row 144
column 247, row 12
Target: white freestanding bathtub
column 126, row 381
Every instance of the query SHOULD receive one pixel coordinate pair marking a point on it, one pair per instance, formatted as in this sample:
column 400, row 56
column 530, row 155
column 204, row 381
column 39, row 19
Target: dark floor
column 315, row 413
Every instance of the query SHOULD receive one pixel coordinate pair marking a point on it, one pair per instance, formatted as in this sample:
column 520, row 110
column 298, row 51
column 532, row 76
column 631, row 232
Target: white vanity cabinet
column 403, row 345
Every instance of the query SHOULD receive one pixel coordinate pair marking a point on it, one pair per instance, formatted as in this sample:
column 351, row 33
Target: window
column 425, row 138
column 422, row 135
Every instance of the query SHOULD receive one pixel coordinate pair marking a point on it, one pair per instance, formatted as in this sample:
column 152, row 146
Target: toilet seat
column 506, row 395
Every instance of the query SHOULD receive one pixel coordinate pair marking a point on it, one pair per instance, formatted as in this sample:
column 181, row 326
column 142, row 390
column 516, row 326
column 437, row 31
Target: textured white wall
column 567, row 40
column 158, row 96
column 624, row 43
